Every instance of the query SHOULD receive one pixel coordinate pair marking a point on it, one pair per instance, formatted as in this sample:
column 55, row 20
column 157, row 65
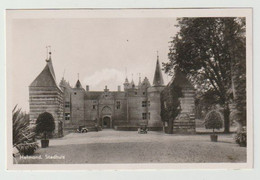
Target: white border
column 136, row 13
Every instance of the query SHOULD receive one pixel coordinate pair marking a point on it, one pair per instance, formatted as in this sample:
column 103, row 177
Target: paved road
column 110, row 146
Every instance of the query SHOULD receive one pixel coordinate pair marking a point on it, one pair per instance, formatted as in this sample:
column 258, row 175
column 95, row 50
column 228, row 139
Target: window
column 67, row 116
column 75, row 93
column 144, row 103
column 148, row 103
column 148, row 116
column 144, row 115
column 67, row 104
column 118, row 105
column 135, row 92
column 94, row 107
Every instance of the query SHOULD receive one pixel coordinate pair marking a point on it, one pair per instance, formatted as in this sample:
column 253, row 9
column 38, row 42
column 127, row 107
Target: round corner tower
column 154, row 98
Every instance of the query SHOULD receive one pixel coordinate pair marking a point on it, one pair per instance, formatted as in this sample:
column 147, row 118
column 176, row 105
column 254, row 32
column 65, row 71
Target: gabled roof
column 46, row 78
column 146, row 82
column 158, row 78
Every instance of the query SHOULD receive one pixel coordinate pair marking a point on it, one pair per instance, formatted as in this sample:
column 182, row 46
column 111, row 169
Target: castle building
column 134, row 106
column 71, row 107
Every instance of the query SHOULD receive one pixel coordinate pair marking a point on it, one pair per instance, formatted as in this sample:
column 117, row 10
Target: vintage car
column 142, row 130
column 82, row 129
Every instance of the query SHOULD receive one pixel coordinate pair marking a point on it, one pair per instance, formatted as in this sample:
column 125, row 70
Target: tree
column 213, row 121
column 45, row 124
column 204, row 49
column 238, row 65
column 170, row 103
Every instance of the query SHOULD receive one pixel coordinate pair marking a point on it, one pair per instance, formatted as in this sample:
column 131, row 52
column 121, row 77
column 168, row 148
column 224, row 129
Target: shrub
column 213, row 120
column 45, row 124
column 27, row 148
column 240, row 137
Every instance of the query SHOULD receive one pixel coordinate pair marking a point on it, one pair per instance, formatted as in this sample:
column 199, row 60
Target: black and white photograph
column 129, row 88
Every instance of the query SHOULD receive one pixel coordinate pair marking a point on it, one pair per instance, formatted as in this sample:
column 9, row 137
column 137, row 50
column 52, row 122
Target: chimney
column 106, row 89
column 119, row 88
column 87, row 88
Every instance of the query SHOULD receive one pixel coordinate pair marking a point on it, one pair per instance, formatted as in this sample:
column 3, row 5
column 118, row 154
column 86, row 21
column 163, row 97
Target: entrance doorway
column 106, row 122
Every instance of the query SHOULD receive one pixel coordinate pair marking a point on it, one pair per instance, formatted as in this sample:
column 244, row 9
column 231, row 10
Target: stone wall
column 185, row 121
column 46, row 99
column 155, row 106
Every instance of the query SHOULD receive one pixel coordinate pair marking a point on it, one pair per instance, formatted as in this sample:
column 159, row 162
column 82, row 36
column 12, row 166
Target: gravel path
column 109, row 146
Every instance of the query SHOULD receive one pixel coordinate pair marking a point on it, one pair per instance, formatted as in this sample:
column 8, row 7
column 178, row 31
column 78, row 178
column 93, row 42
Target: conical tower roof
column 78, row 84
column 47, row 77
column 180, row 79
column 126, row 81
column 158, row 78
column 132, row 84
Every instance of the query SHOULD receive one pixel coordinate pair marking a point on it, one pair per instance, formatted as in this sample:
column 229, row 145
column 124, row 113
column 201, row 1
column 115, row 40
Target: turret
column 154, row 96
column 132, row 84
column 126, row 84
column 146, row 83
column 78, row 84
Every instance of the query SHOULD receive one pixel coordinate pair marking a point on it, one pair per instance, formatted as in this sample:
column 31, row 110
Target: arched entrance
column 106, row 122
column 106, row 115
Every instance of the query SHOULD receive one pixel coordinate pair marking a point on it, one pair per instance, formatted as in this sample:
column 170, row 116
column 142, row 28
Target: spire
column 126, row 84
column 158, row 78
column 132, row 84
column 49, row 61
column 78, row 84
column 139, row 83
column 126, row 81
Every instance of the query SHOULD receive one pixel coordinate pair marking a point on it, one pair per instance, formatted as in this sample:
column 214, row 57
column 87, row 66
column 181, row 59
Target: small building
column 46, row 96
column 185, row 120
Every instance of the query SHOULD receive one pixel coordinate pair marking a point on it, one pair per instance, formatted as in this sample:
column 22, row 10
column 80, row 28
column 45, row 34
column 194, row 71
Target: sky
column 103, row 51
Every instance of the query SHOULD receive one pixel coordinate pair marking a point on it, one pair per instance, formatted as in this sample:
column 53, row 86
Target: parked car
column 142, row 130
column 82, row 129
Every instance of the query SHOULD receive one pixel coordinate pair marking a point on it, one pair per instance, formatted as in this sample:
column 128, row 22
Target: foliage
column 204, row 48
column 45, row 124
column 170, row 104
column 240, row 137
column 23, row 135
column 27, row 148
column 22, row 132
column 213, row 120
